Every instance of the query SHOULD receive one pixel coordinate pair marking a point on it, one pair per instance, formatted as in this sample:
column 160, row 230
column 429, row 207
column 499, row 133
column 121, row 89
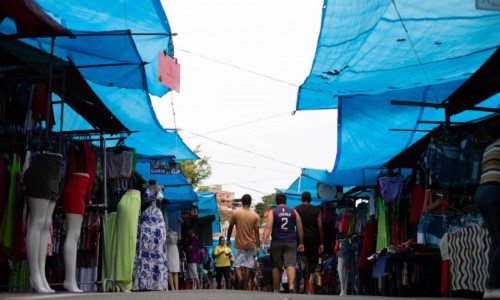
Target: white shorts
column 192, row 270
column 245, row 258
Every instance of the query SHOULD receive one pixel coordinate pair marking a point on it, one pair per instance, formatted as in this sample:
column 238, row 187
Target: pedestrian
column 193, row 257
column 267, row 271
column 487, row 199
column 285, row 225
column 313, row 238
column 222, row 254
column 246, row 242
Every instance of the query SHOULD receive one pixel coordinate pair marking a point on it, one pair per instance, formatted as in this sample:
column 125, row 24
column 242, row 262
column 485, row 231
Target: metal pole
column 49, row 88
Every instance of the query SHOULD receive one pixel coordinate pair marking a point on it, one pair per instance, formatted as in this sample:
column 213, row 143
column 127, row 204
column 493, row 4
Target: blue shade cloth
column 363, row 48
column 135, row 110
column 139, row 17
column 365, row 139
column 372, row 52
column 115, row 46
column 207, row 206
column 106, row 58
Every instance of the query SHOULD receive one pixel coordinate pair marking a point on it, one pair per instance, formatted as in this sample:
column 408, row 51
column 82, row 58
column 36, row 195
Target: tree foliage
column 267, row 203
column 196, row 170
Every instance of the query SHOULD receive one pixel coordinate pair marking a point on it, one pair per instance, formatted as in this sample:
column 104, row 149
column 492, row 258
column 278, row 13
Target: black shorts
column 43, row 176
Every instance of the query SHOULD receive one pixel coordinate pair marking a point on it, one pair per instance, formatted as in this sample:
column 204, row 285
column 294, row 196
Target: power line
column 255, row 73
column 244, row 150
column 266, row 179
column 245, row 187
column 238, row 68
column 246, row 123
column 251, row 167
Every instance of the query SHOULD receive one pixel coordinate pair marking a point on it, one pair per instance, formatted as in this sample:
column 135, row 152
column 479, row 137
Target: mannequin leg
column 176, row 281
column 44, row 241
column 74, row 223
column 171, row 281
column 342, row 271
column 36, row 242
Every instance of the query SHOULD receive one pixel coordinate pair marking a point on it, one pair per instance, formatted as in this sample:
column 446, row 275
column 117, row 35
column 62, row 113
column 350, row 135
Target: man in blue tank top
column 284, row 224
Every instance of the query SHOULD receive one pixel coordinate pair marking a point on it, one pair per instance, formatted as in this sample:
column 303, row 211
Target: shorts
column 284, row 254
column 245, row 258
column 192, row 270
column 432, row 227
column 43, row 176
column 75, row 192
column 310, row 256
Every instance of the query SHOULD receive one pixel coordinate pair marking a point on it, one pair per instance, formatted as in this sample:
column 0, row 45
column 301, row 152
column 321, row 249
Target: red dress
column 368, row 246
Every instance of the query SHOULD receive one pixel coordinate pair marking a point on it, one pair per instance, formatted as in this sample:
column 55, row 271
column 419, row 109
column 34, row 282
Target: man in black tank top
column 284, row 224
column 313, row 236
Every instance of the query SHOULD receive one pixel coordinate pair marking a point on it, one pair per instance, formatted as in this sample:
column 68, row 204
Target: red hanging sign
column 169, row 72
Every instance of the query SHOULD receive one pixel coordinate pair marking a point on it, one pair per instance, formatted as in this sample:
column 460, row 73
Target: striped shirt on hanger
column 490, row 168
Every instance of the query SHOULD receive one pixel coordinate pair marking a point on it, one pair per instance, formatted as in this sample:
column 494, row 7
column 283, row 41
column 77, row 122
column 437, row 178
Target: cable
column 238, row 68
column 267, row 179
column 246, row 123
column 254, row 72
column 252, row 167
column 244, row 150
column 415, row 50
column 247, row 188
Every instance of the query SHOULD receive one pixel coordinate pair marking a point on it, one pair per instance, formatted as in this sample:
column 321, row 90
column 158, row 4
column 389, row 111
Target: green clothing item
column 121, row 230
column 383, row 236
column 7, row 226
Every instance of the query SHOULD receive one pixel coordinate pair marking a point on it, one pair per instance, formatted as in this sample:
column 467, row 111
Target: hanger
column 436, row 204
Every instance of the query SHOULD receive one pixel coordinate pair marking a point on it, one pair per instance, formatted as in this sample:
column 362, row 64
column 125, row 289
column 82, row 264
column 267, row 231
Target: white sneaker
column 491, row 294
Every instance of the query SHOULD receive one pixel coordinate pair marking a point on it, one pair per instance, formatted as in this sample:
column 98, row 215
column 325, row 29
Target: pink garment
column 417, row 202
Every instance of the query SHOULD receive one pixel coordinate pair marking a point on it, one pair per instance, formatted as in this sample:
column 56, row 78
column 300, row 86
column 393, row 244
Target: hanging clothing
column 368, row 247
column 383, row 239
column 126, row 234
column 174, row 265
column 7, row 226
column 468, row 248
column 151, row 261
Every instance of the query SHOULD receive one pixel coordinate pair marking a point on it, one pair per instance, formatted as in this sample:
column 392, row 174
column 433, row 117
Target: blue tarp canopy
column 372, row 52
column 115, row 48
column 311, row 178
column 207, row 206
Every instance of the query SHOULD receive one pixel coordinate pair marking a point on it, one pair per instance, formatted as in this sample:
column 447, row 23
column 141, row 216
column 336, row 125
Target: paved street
column 184, row 295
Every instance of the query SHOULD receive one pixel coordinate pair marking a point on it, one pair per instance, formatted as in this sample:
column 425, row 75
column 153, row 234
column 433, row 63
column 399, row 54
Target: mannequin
column 151, row 247
column 343, row 251
column 173, row 260
column 41, row 180
column 74, row 195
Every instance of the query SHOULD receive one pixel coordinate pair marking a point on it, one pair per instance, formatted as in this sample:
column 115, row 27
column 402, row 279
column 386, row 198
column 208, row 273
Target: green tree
column 196, row 170
column 265, row 204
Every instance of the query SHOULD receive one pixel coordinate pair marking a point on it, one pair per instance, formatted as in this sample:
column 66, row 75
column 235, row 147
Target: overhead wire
column 251, row 71
column 244, row 150
column 251, row 167
column 245, row 123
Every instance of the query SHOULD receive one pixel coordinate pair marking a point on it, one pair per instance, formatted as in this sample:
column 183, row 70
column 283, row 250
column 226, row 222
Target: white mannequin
column 37, row 237
column 74, row 223
column 73, row 229
column 173, row 254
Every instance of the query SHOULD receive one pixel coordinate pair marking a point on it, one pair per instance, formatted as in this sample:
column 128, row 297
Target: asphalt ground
column 189, row 295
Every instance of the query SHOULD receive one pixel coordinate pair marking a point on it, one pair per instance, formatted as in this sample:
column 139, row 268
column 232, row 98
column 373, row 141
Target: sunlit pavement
column 184, row 295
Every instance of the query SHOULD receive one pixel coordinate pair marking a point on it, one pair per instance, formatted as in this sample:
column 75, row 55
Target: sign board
column 488, row 4
column 162, row 167
column 169, row 72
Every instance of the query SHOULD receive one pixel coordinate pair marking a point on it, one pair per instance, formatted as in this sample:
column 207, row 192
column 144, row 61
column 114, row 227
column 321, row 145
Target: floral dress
column 151, row 263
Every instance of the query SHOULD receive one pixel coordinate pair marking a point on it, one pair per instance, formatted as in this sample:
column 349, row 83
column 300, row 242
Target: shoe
column 491, row 294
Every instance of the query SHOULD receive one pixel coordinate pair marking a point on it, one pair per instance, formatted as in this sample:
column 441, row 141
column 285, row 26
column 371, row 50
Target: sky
column 242, row 63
